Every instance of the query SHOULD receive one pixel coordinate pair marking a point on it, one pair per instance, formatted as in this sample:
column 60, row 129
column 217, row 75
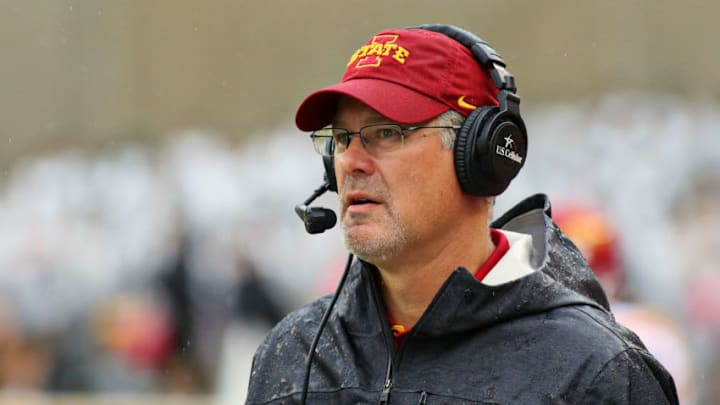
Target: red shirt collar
column 502, row 245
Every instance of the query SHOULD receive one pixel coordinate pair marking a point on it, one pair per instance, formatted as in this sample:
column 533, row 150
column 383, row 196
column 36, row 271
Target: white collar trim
column 515, row 263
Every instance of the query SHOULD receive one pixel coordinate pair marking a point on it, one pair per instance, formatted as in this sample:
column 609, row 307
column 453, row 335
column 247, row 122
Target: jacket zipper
column 385, row 395
column 387, row 387
column 389, row 344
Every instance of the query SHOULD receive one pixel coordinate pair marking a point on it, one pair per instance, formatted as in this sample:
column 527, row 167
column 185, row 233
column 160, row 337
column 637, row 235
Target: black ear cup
column 467, row 167
column 504, row 155
column 490, row 150
column 329, row 164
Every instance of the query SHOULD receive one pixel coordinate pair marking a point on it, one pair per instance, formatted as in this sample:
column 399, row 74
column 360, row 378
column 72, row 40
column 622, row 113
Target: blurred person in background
column 255, row 304
column 596, row 236
column 184, row 371
column 420, row 135
column 257, row 309
column 696, row 220
column 122, row 345
column 137, row 330
column 26, row 357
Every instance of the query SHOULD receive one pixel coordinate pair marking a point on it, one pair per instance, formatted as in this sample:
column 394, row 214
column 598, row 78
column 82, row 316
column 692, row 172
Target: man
column 418, row 137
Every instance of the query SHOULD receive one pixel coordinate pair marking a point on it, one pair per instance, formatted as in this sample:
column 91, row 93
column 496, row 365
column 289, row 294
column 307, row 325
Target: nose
column 354, row 162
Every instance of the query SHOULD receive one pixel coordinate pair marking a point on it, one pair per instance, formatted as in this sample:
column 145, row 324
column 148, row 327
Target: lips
column 357, row 198
column 359, row 201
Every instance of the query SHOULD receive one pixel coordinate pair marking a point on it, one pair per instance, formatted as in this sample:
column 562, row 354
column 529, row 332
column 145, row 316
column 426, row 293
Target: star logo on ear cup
column 509, row 142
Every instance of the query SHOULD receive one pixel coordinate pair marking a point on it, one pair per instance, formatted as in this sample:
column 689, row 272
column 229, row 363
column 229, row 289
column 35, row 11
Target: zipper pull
column 385, row 396
column 423, row 398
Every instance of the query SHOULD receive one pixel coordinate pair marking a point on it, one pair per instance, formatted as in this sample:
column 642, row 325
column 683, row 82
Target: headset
column 491, row 146
column 490, row 149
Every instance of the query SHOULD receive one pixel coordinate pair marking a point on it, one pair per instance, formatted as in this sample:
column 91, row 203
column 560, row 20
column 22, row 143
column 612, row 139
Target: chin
column 358, row 239
column 373, row 247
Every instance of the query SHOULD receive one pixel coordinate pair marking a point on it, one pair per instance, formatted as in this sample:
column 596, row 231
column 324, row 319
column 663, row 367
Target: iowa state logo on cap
column 373, row 54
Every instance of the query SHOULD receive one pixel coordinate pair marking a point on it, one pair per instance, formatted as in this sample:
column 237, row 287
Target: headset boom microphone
column 316, row 219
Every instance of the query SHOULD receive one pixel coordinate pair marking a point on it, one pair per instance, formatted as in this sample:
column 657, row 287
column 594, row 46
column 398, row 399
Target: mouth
column 359, row 202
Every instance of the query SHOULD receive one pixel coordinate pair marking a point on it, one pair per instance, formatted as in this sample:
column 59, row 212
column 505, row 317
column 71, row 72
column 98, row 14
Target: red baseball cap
column 406, row 75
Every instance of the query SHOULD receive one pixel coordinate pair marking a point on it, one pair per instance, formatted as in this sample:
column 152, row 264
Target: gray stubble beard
column 383, row 246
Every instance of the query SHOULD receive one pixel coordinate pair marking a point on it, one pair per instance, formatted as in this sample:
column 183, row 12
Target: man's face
column 394, row 203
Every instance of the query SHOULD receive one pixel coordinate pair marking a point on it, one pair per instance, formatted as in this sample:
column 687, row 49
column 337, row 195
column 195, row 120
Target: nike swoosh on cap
column 464, row 104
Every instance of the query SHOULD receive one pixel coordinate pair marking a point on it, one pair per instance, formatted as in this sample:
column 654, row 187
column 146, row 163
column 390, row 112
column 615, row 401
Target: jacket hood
column 561, row 278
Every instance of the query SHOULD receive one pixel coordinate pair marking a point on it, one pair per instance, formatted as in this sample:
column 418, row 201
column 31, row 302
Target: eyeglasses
column 377, row 139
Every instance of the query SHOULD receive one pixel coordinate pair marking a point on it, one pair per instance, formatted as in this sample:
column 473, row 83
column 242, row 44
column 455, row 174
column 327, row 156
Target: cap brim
column 395, row 102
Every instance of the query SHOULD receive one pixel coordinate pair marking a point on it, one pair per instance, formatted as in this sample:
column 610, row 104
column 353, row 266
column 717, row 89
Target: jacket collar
column 561, row 278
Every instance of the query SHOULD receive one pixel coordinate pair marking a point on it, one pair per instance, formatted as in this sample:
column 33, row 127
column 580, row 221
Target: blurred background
column 149, row 166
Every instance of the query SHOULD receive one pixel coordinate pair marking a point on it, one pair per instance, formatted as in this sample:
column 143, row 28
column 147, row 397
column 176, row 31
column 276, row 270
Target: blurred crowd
column 156, row 269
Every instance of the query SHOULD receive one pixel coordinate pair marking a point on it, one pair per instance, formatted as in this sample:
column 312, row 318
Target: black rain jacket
column 546, row 338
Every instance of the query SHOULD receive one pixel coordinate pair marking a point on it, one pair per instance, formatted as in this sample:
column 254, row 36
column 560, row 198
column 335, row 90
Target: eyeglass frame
column 363, row 140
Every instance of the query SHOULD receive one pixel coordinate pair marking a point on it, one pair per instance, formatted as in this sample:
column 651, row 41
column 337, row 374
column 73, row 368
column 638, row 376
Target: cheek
column 426, row 190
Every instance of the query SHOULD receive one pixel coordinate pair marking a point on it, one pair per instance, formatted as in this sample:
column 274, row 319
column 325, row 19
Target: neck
column 410, row 282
